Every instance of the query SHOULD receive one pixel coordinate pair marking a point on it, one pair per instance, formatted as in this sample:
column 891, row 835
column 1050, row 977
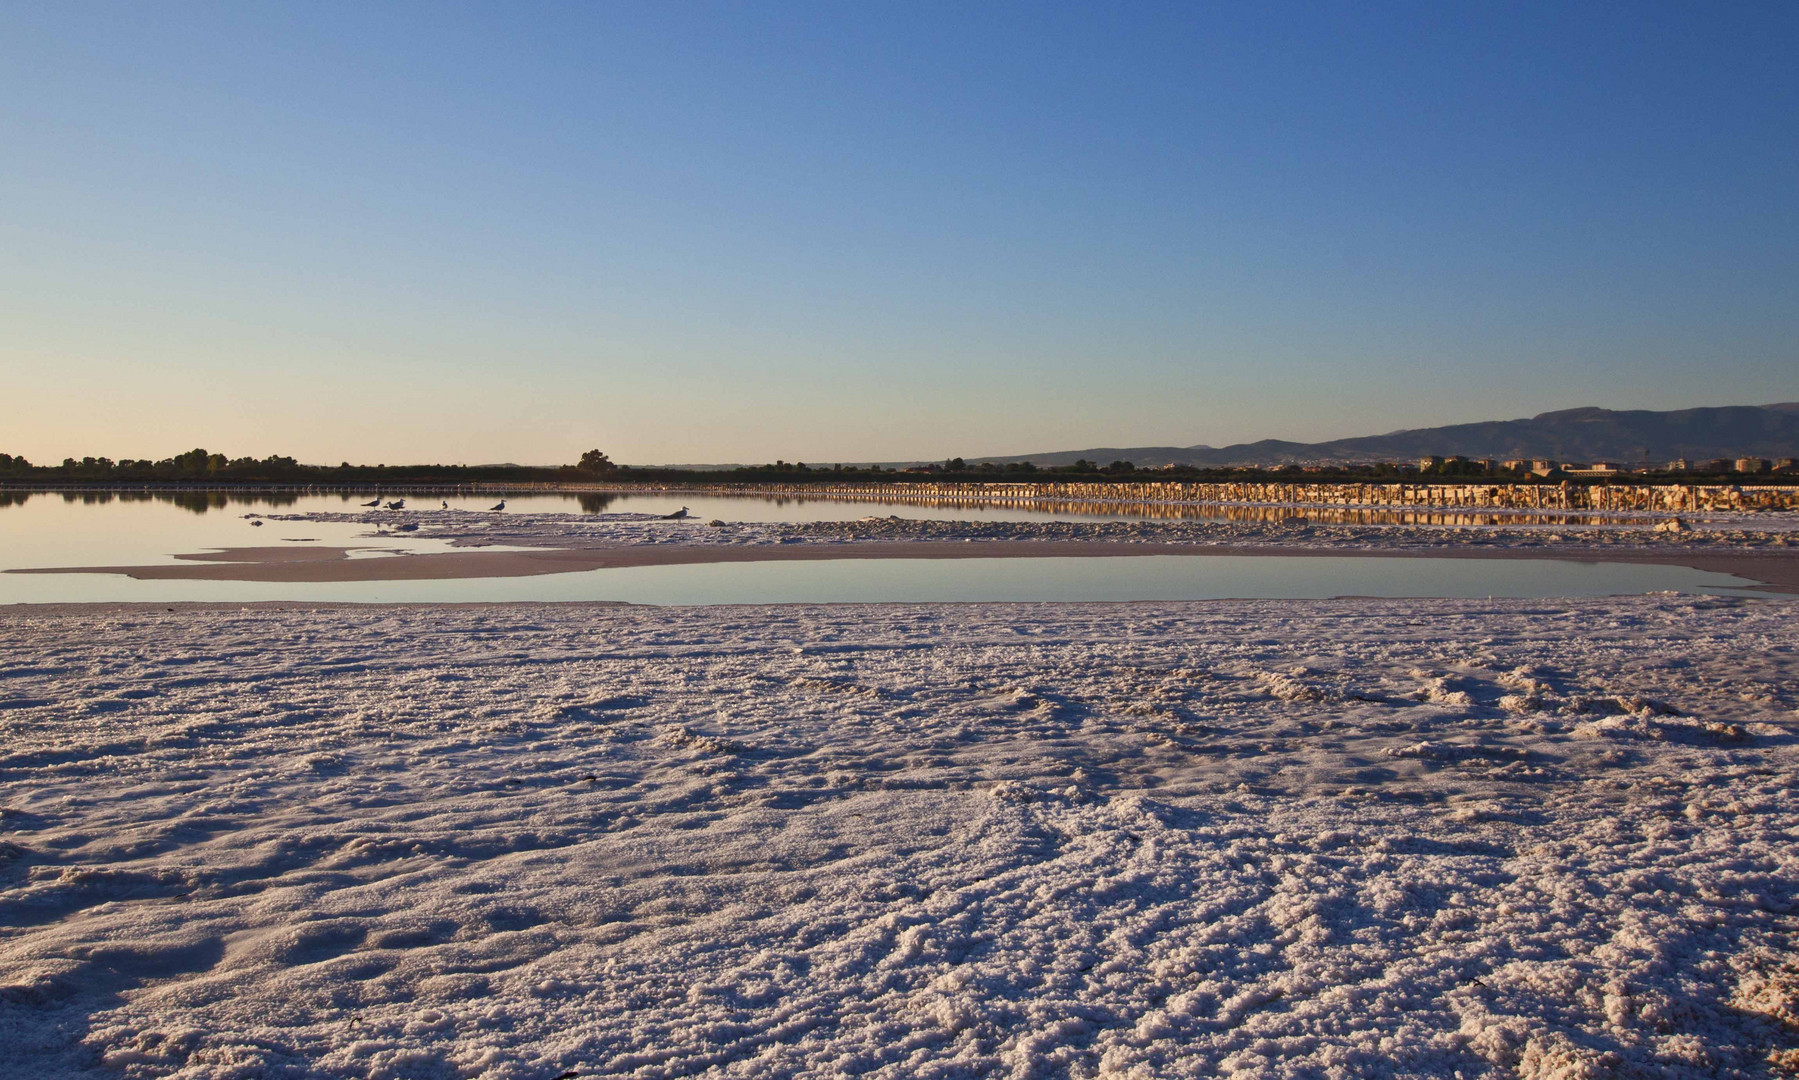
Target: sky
column 869, row 231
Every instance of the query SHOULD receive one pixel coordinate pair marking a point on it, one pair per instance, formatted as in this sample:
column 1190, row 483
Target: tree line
column 200, row 466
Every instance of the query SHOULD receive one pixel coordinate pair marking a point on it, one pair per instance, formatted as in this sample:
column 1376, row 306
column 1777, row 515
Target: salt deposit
column 1736, row 532
column 1410, row 838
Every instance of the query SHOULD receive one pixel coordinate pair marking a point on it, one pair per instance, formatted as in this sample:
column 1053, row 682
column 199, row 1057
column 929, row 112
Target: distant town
column 1549, row 468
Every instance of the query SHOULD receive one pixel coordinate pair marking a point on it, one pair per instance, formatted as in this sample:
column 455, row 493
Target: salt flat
column 1348, row 838
column 459, row 544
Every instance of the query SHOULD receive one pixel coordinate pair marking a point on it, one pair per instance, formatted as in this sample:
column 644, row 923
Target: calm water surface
column 766, row 508
column 56, row 530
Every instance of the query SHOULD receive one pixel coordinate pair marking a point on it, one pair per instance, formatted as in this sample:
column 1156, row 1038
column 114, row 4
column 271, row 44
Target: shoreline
column 1774, row 572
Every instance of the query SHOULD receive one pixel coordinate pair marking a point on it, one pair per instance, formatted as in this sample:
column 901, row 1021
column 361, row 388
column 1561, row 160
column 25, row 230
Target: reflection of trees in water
column 218, row 500
column 201, row 501
column 1271, row 513
column 198, row 502
column 270, row 499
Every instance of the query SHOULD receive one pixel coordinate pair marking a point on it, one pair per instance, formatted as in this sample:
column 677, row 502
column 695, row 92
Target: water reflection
column 202, row 501
column 198, row 501
column 1288, row 514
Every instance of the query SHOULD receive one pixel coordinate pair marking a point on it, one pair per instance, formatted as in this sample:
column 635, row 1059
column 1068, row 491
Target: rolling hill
column 1583, row 434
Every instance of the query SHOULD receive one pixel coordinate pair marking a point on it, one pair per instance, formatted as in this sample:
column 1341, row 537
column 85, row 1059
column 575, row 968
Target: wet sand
column 1775, row 571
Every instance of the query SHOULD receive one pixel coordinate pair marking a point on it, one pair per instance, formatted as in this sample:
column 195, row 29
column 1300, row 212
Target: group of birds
column 400, row 504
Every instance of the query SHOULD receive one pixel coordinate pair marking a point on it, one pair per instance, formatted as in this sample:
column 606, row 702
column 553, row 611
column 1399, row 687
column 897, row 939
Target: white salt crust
column 1770, row 531
column 1260, row 839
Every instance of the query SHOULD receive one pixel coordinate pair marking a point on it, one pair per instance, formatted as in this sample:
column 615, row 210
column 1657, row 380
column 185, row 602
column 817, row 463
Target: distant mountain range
column 1585, row 434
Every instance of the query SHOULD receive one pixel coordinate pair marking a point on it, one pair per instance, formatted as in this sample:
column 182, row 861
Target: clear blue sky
column 876, row 231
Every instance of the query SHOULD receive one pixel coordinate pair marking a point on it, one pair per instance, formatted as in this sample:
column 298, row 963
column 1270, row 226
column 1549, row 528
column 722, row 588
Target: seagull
column 377, row 502
column 676, row 516
column 502, row 505
column 397, row 504
column 446, row 503
column 255, row 524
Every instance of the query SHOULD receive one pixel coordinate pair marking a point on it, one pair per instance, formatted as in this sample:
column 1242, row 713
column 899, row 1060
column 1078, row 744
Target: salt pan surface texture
column 1410, row 838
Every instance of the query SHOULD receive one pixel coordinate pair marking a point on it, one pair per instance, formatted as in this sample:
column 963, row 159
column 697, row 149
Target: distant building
column 1515, row 465
column 1597, row 468
column 1425, row 464
column 1678, row 465
column 1716, row 465
column 1543, row 466
column 1785, row 464
column 1751, row 464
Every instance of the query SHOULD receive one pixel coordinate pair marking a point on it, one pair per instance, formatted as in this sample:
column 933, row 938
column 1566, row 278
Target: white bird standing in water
column 377, row 502
column 501, row 506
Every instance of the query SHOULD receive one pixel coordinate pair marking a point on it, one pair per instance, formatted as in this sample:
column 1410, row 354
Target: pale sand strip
column 1777, row 571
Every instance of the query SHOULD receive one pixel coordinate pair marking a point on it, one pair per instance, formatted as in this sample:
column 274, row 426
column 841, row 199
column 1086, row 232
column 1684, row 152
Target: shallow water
column 1113, row 578
column 55, row 530
column 771, row 508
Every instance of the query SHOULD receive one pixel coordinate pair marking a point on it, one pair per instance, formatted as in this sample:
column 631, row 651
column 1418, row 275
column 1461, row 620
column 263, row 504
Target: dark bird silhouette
column 676, row 516
column 377, row 502
column 255, row 524
column 501, row 506
column 397, row 504
column 446, row 504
